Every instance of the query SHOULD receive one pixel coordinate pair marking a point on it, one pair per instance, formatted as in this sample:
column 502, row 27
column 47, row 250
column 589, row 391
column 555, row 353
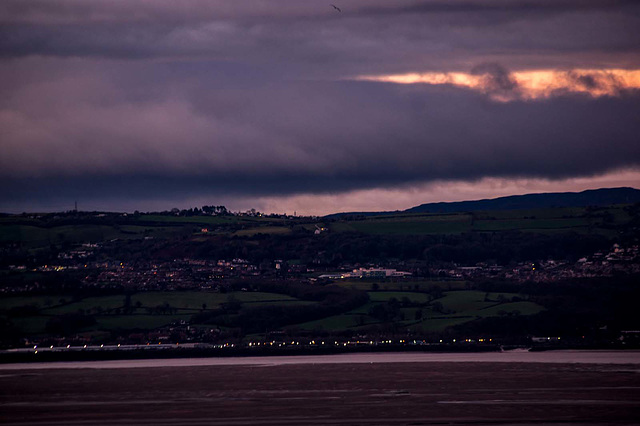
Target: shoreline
column 565, row 356
column 38, row 354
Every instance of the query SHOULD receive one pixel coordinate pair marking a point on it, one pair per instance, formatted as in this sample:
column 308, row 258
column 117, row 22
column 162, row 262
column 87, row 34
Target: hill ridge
column 589, row 197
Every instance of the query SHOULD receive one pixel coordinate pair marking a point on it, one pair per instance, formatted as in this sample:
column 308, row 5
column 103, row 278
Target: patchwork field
column 421, row 312
column 531, row 220
column 146, row 311
column 140, row 311
column 36, row 232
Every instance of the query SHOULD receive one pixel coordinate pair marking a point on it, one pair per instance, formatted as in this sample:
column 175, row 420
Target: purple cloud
column 126, row 99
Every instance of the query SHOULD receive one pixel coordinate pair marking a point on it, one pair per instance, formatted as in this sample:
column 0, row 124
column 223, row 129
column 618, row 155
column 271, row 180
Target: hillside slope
column 594, row 197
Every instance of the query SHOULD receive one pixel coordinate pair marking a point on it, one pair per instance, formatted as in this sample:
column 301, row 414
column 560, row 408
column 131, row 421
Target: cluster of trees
column 162, row 309
column 208, row 211
column 195, row 211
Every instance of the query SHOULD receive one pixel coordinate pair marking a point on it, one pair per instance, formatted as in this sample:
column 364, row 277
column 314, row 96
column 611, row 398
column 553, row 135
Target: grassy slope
column 532, row 220
column 34, row 233
column 459, row 307
column 103, row 308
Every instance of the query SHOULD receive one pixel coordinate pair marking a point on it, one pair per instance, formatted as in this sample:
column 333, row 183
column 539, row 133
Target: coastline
column 570, row 356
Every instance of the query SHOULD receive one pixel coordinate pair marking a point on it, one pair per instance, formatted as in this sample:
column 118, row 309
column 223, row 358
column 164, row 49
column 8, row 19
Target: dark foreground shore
column 325, row 394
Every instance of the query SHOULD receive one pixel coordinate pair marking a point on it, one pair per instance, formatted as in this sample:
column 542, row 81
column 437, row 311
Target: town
column 216, row 275
column 246, row 280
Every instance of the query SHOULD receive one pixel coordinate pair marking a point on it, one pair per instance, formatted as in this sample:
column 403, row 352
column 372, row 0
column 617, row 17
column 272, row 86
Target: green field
column 52, row 305
column 337, row 322
column 402, row 285
column 150, row 310
column 147, row 310
column 530, row 224
column 35, row 236
column 522, row 308
column 43, row 232
column 90, row 304
column 408, row 224
column 40, row 302
column 458, row 307
column 270, row 230
column 47, row 231
column 543, row 221
column 384, row 296
column 437, row 325
column 142, row 322
column 460, row 301
column 31, row 325
column 194, row 300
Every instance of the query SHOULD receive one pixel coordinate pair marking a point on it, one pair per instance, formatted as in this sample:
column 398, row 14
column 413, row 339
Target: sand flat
column 400, row 393
column 553, row 357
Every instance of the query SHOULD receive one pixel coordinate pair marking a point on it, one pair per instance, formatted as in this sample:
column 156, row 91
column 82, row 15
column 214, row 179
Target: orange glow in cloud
column 531, row 84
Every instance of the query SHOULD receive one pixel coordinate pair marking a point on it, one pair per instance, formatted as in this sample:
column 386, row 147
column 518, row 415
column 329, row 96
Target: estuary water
column 514, row 356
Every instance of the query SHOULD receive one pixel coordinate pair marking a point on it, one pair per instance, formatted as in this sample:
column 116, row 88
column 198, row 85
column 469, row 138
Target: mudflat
column 325, row 394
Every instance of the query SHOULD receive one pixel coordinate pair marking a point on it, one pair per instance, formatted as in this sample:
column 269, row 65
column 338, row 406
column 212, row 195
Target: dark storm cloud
column 113, row 99
column 531, row 6
column 92, row 133
column 295, row 37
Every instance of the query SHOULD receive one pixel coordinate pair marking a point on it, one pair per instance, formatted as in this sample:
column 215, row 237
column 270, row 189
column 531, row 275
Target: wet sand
column 407, row 393
column 554, row 357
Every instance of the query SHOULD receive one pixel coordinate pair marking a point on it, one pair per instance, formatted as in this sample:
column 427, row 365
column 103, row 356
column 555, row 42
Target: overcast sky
column 284, row 105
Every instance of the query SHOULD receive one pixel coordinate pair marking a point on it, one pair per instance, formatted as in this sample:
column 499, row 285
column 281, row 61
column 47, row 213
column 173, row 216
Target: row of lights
column 370, row 342
column 294, row 343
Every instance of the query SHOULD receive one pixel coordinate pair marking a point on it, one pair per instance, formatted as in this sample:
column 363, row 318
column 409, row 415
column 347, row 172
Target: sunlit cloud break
column 506, row 86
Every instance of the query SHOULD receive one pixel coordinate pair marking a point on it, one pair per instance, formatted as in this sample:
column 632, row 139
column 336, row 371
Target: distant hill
column 592, row 197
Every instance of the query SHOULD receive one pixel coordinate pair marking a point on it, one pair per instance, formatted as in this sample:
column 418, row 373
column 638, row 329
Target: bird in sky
column 336, row 8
